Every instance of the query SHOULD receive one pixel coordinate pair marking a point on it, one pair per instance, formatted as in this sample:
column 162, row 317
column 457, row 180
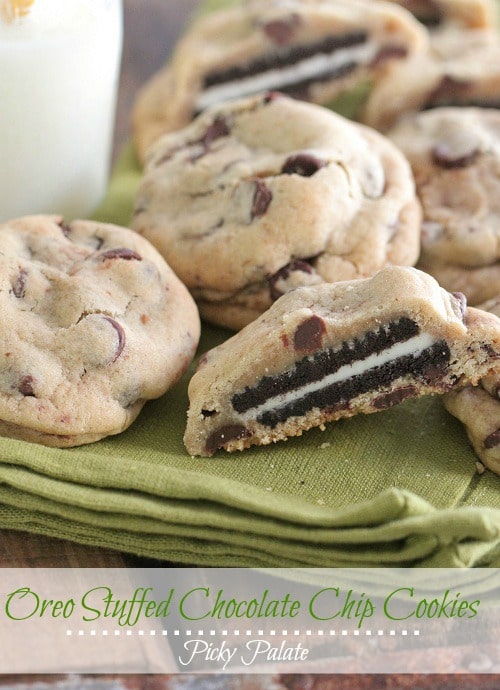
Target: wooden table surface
column 151, row 28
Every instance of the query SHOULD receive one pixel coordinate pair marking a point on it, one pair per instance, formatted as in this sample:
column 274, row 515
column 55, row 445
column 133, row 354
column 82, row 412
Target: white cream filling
column 276, row 79
column 415, row 346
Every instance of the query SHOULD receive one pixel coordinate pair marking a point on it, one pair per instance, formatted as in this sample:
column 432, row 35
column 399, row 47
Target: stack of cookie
column 317, row 50
column 265, row 205
column 283, row 219
column 422, row 54
column 334, row 350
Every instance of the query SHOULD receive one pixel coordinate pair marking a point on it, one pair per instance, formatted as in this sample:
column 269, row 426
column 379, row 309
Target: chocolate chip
column 389, row 53
column 220, row 438
column 284, row 274
column 462, row 302
column 19, row 285
column 121, row 253
column 216, row 130
column 303, row 164
column 386, row 400
column 121, row 337
column 493, row 440
column 309, row 334
column 261, row 199
column 449, row 90
column 281, row 31
column 428, row 13
column 66, row 228
column 339, row 406
column 202, row 361
column 458, row 146
column 208, row 413
column 434, row 372
column 26, row 386
column 99, row 242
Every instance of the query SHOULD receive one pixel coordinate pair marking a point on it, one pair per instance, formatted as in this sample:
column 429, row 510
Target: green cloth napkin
column 398, row 488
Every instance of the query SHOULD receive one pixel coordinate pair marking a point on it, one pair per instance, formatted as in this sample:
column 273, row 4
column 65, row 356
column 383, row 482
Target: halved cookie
column 332, row 351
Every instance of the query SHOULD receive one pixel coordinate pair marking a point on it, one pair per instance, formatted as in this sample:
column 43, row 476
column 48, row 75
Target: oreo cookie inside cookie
column 293, row 69
column 334, row 350
column 331, row 378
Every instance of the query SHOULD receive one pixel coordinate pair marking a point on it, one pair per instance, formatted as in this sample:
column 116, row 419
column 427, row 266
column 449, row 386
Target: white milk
column 59, row 69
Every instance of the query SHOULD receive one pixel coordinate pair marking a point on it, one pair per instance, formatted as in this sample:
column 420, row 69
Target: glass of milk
column 59, row 68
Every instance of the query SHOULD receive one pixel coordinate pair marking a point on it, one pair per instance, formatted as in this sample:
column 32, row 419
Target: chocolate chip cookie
column 94, row 324
column 462, row 68
column 334, row 350
column 479, row 409
column 310, row 50
column 261, row 195
column 455, row 158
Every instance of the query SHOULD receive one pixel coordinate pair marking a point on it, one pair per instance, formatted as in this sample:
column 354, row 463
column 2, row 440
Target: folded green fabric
column 396, row 488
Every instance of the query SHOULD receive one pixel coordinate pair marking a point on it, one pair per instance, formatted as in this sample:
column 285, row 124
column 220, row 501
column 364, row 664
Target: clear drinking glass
column 59, row 68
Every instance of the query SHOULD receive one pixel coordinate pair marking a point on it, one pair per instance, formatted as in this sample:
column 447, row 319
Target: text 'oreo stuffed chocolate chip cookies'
column 94, row 324
column 265, row 194
column 331, row 351
column 314, row 51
